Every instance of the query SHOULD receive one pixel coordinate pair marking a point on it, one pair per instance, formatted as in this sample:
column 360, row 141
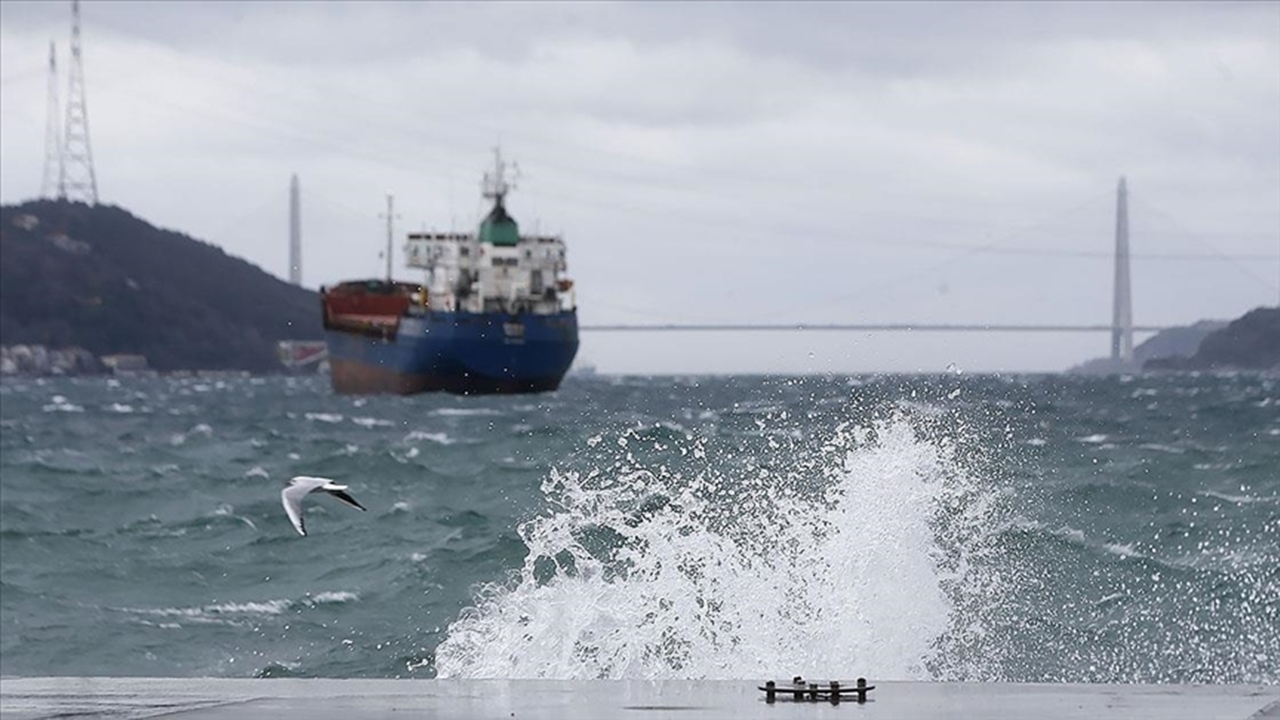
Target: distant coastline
column 40, row 361
column 1251, row 342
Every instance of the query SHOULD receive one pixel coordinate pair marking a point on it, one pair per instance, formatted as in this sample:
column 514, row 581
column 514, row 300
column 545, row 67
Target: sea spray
column 832, row 566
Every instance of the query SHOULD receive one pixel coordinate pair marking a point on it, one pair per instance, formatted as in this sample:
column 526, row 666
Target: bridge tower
column 295, row 233
column 1122, row 309
column 391, row 218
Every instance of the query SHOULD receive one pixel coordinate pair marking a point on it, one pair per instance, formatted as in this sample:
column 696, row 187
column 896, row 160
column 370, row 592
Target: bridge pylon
column 1122, row 306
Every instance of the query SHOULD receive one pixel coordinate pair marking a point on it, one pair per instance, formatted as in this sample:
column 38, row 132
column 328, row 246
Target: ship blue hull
column 456, row 352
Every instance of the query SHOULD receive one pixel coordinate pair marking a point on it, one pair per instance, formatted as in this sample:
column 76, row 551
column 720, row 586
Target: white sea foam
column 324, row 417
column 239, row 613
column 404, row 458
column 59, row 403
column 177, row 439
column 435, row 437
column 270, row 607
column 1072, row 534
column 841, row 572
column 1237, row 499
column 1110, row 599
column 462, row 412
column 1124, row 550
column 334, row 597
column 368, row 422
column 228, row 510
column 220, row 613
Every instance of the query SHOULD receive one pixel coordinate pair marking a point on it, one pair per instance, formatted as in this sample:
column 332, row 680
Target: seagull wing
column 291, row 497
column 344, row 497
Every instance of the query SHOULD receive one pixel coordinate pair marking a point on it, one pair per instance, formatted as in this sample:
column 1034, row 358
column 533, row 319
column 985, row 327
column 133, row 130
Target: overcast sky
column 710, row 162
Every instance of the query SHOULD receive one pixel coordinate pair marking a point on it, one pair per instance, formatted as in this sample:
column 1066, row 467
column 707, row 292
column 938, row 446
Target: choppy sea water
column 1037, row 528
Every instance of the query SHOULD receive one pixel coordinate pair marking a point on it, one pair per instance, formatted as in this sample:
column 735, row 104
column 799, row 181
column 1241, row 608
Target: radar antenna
column 495, row 185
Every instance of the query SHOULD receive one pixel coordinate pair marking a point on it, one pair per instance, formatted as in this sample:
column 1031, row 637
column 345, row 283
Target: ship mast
column 495, row 185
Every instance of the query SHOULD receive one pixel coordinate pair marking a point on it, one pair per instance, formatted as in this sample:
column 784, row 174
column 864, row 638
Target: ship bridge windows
column 505, row 262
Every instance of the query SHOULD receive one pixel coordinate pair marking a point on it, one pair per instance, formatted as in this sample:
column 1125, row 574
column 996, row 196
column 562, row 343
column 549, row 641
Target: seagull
column 300, row 486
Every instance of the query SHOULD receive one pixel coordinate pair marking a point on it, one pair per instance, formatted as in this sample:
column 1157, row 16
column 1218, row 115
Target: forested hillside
column 101, row 279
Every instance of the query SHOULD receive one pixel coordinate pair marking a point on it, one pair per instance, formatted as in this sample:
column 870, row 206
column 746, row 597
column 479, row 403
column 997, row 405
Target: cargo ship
column 494, row 314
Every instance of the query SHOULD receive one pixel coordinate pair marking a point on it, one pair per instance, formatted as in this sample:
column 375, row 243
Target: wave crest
column 832, row 568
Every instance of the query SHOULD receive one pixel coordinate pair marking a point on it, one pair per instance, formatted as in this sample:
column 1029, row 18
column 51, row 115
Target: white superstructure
column 495, row 269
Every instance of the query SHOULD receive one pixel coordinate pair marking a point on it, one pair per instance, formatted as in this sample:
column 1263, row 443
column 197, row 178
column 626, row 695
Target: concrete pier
column 322, row 699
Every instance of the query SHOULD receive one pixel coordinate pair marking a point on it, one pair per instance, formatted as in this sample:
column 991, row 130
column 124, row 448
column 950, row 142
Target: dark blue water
column 947, row 527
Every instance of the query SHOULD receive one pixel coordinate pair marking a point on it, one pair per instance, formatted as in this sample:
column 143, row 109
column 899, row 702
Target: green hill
column 99, row 278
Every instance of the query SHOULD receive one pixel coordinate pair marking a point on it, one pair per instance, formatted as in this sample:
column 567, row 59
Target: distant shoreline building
column 124, row 364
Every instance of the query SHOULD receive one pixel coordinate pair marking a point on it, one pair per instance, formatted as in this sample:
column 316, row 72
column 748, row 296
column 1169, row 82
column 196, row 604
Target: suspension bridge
column 1121, row 327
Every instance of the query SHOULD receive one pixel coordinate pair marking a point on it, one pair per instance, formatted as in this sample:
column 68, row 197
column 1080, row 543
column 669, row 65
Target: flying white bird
column 300, row 486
